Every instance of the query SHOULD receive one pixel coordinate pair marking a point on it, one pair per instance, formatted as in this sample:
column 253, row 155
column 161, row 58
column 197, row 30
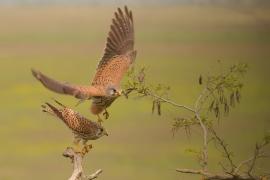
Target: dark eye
column 101, row 130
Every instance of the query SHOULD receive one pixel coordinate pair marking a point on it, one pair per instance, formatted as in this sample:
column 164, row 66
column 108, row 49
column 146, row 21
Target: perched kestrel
column 83, row 128
column 118, row 56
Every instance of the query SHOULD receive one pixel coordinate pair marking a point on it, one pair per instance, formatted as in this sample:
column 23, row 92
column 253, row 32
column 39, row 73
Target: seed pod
column 211, row 106
column 225, row 100
column 226, row 109
column 238, row 96
column 220, row 92
column 153, row 106
column 232, row 99
column 200, row 80
column 217, row 111
column 221, row 98
column 159, row 108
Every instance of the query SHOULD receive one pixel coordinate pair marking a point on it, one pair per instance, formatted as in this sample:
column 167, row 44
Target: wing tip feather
column 36, row 73
column 120, row 38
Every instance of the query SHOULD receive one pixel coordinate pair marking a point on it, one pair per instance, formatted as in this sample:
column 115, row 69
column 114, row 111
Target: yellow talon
column 86, row 149
column 106, row 114
column 99, row 119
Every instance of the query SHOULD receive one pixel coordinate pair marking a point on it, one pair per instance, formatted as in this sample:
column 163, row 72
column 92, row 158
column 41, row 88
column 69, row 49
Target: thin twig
column 199, row 99
column 207, row 175
column 171, row 102
column 237, row 169
column 204, row 129
column 195, row 111
column 157, row 97
column 205, row 134
column 211, row 176
column 225, row 149
column 94, row 175
column 255, row 157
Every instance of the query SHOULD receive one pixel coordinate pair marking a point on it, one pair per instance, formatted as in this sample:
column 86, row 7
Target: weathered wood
column 77, row 160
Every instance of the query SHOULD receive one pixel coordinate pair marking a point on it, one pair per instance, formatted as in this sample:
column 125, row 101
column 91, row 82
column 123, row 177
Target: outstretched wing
column 119, row 51
column 80, row 92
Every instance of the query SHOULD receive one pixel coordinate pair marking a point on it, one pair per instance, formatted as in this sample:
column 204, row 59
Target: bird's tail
column 48, row 108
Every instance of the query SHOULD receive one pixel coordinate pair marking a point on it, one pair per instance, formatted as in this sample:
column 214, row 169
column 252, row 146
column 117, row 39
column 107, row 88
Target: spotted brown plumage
column 99, row 104
column 118, row 55
column 83, row 128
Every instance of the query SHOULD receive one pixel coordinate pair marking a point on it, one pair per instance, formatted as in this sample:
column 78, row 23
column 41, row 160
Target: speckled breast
column 103, row 101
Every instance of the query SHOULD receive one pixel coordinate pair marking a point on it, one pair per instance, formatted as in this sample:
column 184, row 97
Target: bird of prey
column 119, row 55
column 83, row 129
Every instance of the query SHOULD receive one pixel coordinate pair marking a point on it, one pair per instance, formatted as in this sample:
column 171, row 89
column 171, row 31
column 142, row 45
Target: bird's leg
column 76, row 142
column 86, row 147
column 99, row 119
column 106, row 114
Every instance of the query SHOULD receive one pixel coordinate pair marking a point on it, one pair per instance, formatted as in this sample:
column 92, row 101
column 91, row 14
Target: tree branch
column 225, row 149
column 94, row 175
column 211, row 176
column 77, row 159
column 171, row 102
column 157, row 97
column 205, row 140
column 221, row 92
column 204, row 129
column 206, row 175
column 237, row 169
column 255, row 157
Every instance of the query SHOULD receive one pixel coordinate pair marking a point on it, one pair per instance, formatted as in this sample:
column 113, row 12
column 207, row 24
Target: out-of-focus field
column 176, row 43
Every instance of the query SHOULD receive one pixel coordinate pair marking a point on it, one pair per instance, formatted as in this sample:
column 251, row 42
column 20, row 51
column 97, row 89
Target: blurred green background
column 176, row 42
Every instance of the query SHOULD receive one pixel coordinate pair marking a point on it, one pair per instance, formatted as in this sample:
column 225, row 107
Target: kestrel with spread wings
column 118, row 56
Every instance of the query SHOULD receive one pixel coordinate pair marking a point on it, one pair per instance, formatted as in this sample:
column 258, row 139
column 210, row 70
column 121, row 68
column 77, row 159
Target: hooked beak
column 119, row 93
column 105, row 133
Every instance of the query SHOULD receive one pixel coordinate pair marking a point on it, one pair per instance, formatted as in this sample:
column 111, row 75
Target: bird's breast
column 99, row 104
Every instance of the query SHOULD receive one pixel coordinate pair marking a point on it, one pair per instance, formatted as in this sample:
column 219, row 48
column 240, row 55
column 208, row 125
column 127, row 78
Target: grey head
column 113, row 91
column 101, row 131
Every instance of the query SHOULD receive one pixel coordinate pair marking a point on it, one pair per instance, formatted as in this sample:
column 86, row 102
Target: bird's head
column 101, row 132
column 113, row 91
